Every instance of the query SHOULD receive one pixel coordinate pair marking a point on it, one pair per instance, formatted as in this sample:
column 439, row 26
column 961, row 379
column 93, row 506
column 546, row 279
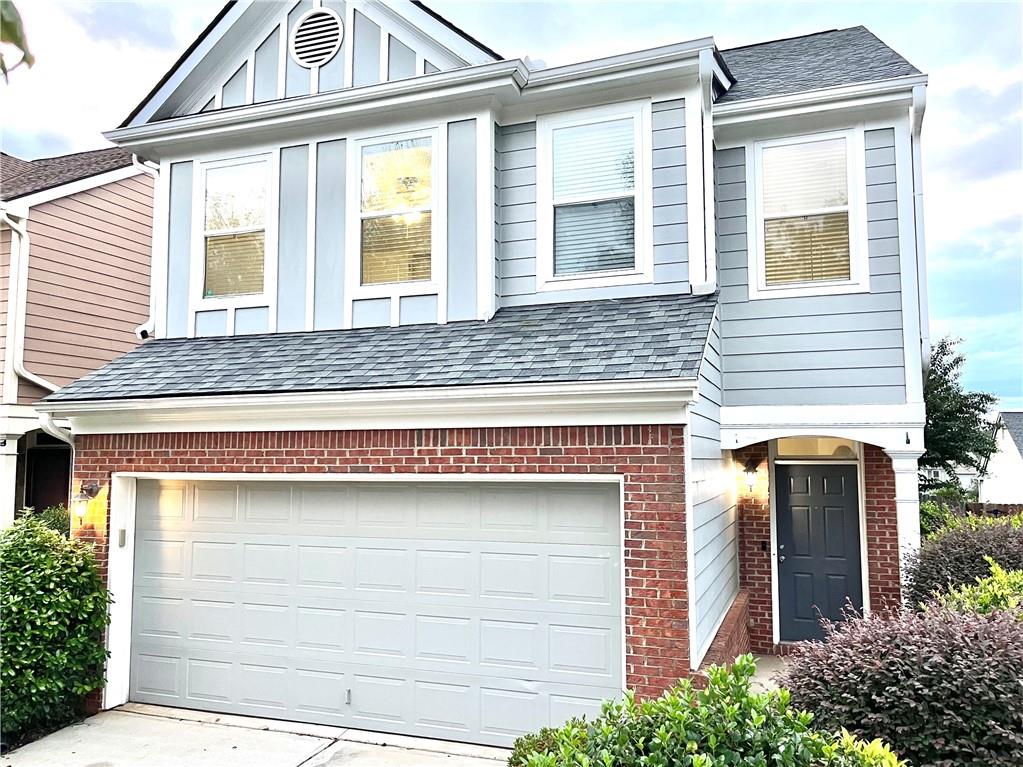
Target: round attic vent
column 316, row 37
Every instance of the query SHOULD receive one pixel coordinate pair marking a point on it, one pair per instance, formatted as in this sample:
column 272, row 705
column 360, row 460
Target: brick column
column 754, row 507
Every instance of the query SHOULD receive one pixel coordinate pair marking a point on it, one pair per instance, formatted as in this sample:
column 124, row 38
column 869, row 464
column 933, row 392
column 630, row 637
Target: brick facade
column 755, row 529
column 649, row 458
column 732, row 638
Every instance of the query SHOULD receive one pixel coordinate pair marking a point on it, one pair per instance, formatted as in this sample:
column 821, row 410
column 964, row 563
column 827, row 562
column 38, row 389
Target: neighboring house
column 1003, row 481
column 75, row 244
column 480, row 393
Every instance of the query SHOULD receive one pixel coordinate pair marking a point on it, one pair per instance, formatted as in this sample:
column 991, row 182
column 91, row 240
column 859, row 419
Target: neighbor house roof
column 811, row 62
column 1013, row 420
column 606, row 340
column 23, row 177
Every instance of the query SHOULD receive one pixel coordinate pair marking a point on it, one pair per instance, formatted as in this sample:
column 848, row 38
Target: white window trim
column 643, row 269
column 197, row 302
column 436, row 285
column 859, row 266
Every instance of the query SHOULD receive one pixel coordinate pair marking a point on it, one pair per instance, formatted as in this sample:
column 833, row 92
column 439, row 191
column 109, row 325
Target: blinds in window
column 806, row 212
column 594, row 160
column 234, row 264
column 396, row 248
column 594, row 169
column 594, row 236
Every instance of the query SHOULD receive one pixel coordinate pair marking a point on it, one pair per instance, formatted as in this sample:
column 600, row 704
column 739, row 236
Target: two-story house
column 479, row 393
column 75, row 240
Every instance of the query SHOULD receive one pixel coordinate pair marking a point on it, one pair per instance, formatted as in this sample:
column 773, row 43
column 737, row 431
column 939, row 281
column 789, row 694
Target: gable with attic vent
column 251, row 55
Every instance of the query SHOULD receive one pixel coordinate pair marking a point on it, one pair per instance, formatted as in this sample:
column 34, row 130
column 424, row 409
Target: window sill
column 601, row 280
column 797, row 290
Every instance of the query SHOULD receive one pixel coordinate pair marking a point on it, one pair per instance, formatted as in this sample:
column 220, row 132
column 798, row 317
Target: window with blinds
column 805, row 213
column 594, row 185
column 235, row 234
column 396, row 221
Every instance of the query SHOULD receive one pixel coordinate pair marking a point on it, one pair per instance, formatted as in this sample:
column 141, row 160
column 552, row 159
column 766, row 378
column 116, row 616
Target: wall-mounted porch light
column 80, row 503
column 750, row 469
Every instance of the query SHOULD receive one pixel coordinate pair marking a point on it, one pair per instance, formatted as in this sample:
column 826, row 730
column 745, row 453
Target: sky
column 97, row 60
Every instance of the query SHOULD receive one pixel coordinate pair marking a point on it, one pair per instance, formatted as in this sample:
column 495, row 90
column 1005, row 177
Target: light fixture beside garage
column 80, row 503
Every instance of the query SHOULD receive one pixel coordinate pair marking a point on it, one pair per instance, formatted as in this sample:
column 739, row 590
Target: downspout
column 18, row 306
column 916, row 127
column 147, row 328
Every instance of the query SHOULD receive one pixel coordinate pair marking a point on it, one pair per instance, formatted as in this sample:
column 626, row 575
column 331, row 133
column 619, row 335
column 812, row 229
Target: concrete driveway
column 136, row 734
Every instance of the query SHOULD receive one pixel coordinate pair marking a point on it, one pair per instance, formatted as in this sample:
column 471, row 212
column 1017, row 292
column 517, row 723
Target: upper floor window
column 235, row 229
column 592, row 178
column 396, row 211
column 808, row 213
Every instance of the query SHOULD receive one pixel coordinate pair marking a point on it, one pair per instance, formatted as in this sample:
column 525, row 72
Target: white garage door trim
column 121, row 553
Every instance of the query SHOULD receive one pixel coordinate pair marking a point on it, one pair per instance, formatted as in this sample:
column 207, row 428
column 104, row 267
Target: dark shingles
column 1013, row 420
column 663, row 337
column 811, row 62
column 48, row 172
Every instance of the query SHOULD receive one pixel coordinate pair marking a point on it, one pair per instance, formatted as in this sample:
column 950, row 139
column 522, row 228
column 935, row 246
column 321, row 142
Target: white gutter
column 16, row 315
column 916, row 128
column 147, row 328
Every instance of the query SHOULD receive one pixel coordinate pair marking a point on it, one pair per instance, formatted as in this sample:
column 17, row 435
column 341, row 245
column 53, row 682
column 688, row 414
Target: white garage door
column 466, row 610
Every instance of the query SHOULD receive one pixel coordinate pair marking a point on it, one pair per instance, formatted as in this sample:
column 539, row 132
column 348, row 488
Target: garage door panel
column 456, row 610
column 547, row 513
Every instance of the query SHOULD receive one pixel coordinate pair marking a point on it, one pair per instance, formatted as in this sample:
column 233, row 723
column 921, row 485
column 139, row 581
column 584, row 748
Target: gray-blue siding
column 328, row 240
column 715, row 529
column 516, row 214
column 813, row 350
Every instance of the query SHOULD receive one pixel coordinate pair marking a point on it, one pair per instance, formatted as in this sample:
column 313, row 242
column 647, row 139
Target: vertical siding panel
column 293, row 231
column 332, row 74
column 328, row 282
column 265, row 68
column 296, row 77
column 461, row 213
column 234, row 89
column 179, row 248
column 401, row 60
column 366, row 59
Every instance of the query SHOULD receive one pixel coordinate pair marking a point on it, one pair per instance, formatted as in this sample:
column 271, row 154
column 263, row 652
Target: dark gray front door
column 818, row 546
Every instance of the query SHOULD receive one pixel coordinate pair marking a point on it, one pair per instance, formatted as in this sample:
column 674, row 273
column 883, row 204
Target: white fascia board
column 484, row 80
column 838, row 97
column 571, row 404
column 895, row 427
column 81, row 185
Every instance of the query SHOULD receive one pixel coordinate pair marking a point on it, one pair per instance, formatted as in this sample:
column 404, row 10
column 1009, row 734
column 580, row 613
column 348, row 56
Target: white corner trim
column 572, row 404
column 120, row 576
column 74, row 187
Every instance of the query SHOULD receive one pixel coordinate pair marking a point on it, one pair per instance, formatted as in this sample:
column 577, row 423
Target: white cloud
column 81, row 86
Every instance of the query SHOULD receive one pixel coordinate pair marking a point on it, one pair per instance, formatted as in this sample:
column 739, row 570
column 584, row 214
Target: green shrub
column 933, row 517
column 53, row 611
column 724, row 725
column 1002, row 590
column 942, row 687
column 56, row 518
column 956, row 554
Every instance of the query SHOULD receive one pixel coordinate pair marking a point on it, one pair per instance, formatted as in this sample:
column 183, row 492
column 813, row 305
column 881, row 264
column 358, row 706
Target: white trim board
column 572, row 404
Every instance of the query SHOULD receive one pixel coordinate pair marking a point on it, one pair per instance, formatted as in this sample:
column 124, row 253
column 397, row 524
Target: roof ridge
column 796, row 37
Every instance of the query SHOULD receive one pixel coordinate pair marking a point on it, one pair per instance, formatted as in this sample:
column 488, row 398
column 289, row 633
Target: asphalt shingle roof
column 821, row 60
column 606, row 340
column 1013, row 420
column 22, row 177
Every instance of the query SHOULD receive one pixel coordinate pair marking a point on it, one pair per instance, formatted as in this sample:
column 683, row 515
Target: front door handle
column 781, row 557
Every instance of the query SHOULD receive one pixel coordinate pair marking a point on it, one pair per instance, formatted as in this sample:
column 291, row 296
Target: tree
column 956, row 432
column 12, row 32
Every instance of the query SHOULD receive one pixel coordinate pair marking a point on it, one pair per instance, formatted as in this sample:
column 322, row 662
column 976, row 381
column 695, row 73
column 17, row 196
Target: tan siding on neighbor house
column 88, row 280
